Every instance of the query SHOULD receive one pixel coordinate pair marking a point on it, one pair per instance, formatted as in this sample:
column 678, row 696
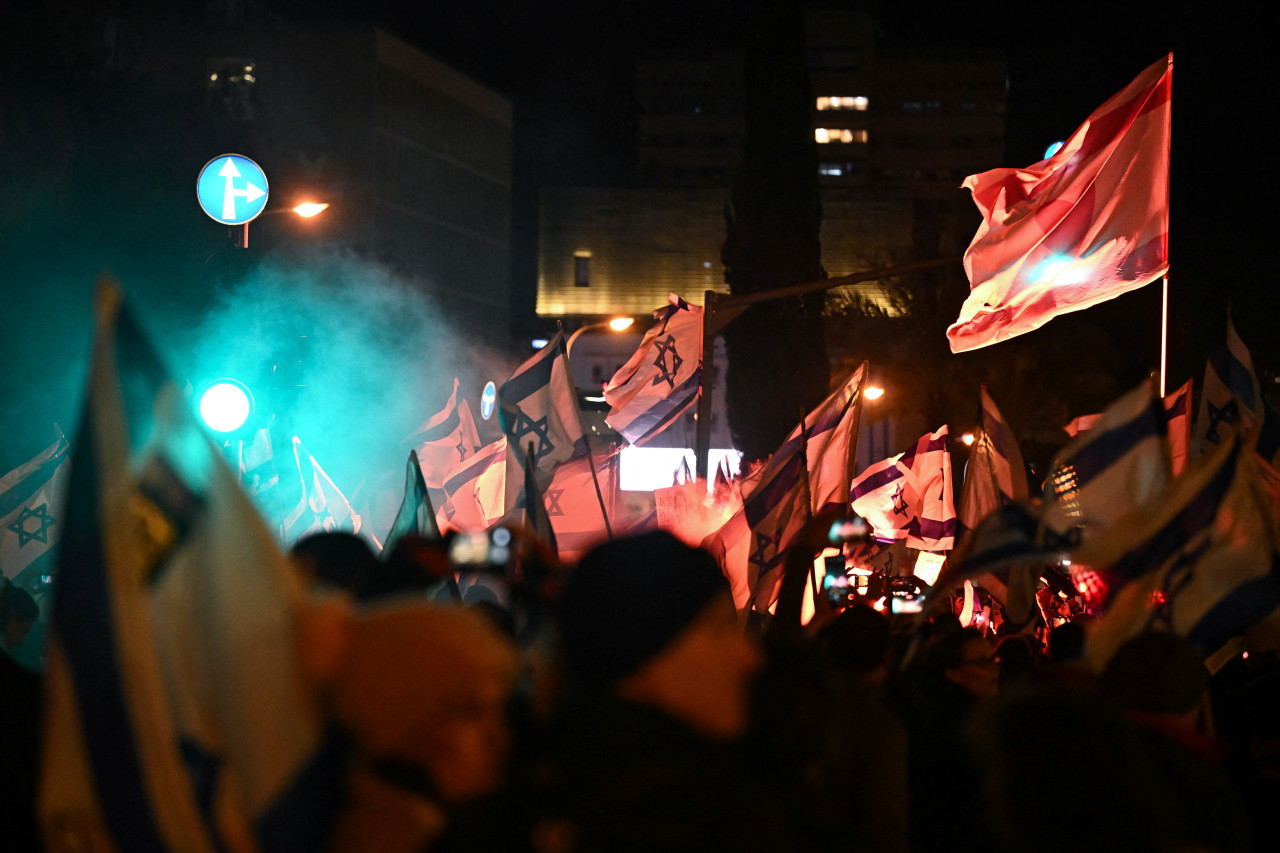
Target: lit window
column 830, row 168
column 842, row 102
column 825, row 135
column 581, row 269
column 912, row 107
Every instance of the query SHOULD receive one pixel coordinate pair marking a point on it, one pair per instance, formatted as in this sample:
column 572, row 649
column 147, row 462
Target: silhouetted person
column 421, row 691
column 860, row 777
column 1016, row 659
column 336, row 560
column 1160, row 681
column 659, row 676
column 960, row 674
column 1066, row 643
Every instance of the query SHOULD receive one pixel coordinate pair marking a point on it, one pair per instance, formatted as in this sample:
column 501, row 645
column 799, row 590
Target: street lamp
column 309, row 209
column 306, row 210
column 617, row 324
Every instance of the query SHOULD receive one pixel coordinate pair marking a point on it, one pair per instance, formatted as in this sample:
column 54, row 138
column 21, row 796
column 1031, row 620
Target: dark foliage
column 777, row 360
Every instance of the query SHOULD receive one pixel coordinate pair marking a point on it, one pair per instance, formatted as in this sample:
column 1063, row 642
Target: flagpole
column 1164, row 332
column 1164, row 296
column 852, row 463
column 808, row 495
column 586, row 437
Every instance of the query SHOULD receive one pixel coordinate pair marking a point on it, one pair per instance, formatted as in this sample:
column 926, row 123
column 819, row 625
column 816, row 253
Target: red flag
column 1084, row 226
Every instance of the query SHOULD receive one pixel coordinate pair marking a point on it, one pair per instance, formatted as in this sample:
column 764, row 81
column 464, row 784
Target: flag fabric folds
column 1074, row 230
column 660, row 381
column 1118, row 464
column 909, row 496
column 31, row 512
column 995, row 475
column 176, row 716
column 1004, row 541
column 1230, row 394
column 415, row 515
column 321, row 506
column 1199, row 559
column 1177, row 412
column 482, row 489
column 447, row 438
column 573, row 508
column 534, row 506
column 259, row 476
column 809, row 473
column 538, row 404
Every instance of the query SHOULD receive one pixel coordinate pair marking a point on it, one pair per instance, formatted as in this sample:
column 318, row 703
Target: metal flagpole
column 1164, row 297
column 1164, row 332
column 586, row 436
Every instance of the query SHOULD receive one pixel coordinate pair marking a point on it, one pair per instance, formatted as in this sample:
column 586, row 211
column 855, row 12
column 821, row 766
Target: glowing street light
column 617, row 324
column 968, row 439
column 874, row 393
column 309, row 209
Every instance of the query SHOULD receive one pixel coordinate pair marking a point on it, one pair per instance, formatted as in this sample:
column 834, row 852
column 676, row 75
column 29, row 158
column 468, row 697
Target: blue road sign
column 487, row 400
column 232, row 189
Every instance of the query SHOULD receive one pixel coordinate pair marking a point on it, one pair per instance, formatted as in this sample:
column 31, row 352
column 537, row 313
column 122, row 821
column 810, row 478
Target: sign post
column 232, row 189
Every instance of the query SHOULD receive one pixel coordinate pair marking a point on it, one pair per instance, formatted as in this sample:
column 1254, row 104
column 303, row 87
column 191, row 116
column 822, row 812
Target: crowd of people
column 622, row 705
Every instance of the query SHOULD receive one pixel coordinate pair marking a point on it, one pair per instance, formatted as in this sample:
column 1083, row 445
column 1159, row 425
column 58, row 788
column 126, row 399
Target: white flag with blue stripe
column 538, row 405
column 660, row 381
column 995, row 474
column 1114, row 467
column 1200, row 559
column 321, row 506
column 909, row 496
column 31, row 514
column 176, row 716
column 808, row 474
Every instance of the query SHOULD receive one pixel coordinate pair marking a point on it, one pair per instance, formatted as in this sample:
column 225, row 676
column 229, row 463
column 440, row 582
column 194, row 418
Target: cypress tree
column 777, row 358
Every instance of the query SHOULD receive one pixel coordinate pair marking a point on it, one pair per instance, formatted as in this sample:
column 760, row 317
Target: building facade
column 897, row 130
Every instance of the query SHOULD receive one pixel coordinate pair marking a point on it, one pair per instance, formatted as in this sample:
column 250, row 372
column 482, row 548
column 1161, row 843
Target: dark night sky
column 566, row 65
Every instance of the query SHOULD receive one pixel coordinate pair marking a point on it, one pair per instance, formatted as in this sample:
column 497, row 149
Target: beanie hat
column 1156, row 672
column 628, row 599
column 390, row 668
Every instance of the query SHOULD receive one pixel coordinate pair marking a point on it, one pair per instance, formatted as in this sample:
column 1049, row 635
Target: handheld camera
column 482, row 550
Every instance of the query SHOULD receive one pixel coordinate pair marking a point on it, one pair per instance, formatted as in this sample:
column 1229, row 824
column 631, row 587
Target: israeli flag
column 176, row 716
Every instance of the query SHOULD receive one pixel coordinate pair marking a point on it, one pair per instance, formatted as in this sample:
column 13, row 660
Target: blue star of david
column 1228, row 414
column 526, row 425
column 759, row 557
column 462, row 450
column 899, row 502
column 553, row 502
column 41, row 533
column 668, row 373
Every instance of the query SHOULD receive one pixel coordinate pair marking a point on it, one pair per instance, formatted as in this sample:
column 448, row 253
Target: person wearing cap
column 658, row 678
